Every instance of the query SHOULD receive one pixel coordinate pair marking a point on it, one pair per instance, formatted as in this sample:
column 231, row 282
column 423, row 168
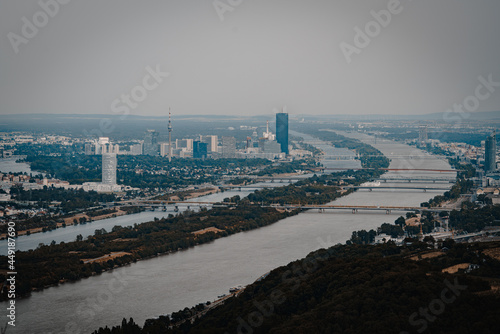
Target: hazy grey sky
column 262, row 54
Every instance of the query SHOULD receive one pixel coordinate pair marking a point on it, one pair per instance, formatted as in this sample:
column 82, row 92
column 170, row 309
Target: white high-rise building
column 109, row 164
column 228, row 147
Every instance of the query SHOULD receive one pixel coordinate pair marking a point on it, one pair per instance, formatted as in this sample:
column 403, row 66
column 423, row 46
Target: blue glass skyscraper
column 490, row 153
column 282, row 131
column 200, row 150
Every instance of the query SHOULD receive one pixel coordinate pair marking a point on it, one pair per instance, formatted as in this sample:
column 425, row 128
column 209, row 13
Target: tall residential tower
column 169, row 136
column 109, row 164
column 490, row 153
column 282, row 131
column 151, row 146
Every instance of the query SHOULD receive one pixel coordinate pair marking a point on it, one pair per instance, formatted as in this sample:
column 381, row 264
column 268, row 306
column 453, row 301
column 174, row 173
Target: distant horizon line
column 242, row 116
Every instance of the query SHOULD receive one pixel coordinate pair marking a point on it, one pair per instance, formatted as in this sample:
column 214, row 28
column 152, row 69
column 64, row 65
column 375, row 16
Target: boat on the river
column 235, row 289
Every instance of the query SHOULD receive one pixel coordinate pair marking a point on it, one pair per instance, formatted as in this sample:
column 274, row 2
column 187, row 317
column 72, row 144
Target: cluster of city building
column 268, row 146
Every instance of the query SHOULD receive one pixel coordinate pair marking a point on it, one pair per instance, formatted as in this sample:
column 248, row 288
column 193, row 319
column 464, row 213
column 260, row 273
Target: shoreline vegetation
column 50, row 265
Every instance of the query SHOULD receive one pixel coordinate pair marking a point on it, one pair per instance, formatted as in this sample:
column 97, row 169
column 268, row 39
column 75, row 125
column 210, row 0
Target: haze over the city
column 247, row 57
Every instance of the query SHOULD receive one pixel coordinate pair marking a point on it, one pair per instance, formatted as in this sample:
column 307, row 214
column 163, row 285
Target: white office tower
column 169, row 128
column 228, row 147
column 109, row 164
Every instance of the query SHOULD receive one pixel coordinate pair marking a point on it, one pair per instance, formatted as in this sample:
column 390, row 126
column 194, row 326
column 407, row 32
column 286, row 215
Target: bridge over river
column 321, row 207
column 366, row 186
column 290, row 179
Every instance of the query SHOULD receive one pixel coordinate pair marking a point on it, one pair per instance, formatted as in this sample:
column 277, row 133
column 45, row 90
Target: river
column 169, row 283
column 69, row 233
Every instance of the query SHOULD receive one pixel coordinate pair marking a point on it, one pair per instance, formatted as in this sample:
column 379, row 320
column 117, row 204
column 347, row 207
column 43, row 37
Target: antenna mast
column 169, row 136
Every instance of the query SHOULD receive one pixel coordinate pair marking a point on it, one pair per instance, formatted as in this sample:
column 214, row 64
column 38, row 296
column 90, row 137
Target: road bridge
column 425, row 189
column 320, row 207
column 250, row 186
column 257, row 187
column 356, row 208
column 418, row 180
column 397, row 169
column 290, row 179
column 270, row 178
column 406, row 157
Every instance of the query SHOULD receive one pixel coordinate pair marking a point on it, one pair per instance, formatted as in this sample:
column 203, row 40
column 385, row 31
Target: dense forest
column 357, row 289
column 473, row 219
column 70, row 199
